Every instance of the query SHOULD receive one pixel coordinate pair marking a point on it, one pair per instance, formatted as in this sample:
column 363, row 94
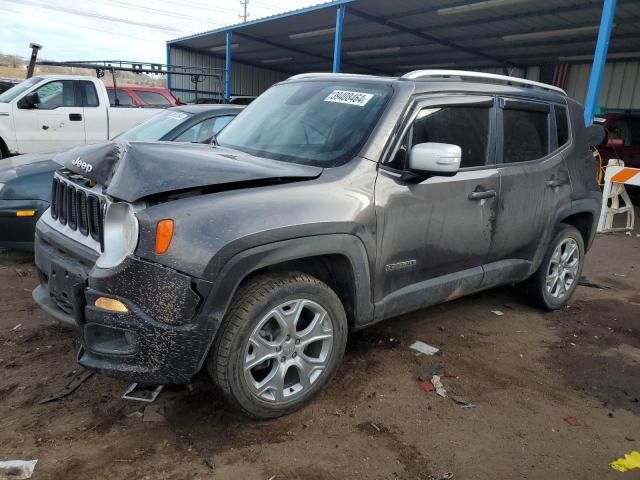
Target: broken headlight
column 120, row 235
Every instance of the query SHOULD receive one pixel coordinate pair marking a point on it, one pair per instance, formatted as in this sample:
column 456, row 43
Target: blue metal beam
column 337, row 41
column 599, row 60
column 168, row 79
column 227, row 69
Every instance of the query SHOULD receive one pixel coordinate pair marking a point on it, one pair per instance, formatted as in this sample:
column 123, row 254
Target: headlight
column 1, row 186
column 120, row 235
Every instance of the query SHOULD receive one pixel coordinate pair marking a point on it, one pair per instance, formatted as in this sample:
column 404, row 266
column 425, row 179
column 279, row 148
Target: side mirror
column 441, row 159
column 595, row 135
column 29, row 101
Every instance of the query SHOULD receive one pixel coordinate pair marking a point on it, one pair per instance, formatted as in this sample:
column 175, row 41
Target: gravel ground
column 525, row 372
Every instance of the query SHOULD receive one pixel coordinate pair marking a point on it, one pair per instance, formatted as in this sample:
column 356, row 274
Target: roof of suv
column 447, row 84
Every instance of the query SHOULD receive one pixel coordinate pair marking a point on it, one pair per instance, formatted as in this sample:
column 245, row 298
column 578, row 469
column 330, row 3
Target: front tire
column 553, row 284
column 281, row 341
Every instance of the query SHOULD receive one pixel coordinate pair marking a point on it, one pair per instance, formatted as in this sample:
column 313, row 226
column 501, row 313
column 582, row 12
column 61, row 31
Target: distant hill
column 12, row 66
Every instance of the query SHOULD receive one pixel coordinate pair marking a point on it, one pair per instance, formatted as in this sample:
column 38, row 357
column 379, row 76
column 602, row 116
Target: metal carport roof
column 391, row 37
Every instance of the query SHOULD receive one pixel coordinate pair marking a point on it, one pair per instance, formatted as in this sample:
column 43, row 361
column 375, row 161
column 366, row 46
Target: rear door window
column 525, row 131
column 89, row 94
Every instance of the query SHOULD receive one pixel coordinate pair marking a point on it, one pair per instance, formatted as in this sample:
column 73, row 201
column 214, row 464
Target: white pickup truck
column 49, row 113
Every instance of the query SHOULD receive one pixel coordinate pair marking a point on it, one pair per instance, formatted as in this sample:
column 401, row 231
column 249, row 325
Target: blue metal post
column 599, row 60
column 337, row 41
column 168, row 82
column 227, row 69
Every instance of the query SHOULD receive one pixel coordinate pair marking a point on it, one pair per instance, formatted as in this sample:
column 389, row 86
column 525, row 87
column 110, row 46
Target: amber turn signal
column 111, row 305
column 25, row 213
column 164, row 234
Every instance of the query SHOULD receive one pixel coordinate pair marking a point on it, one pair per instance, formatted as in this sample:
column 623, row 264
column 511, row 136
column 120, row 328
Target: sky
column 134, row 30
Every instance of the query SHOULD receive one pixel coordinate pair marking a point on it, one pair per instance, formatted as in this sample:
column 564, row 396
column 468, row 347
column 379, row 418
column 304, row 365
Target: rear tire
column 280, row 342
column 553, row 284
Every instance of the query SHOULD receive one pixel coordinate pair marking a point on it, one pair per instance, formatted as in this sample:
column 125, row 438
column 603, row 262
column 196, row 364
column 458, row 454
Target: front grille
column 80, row 210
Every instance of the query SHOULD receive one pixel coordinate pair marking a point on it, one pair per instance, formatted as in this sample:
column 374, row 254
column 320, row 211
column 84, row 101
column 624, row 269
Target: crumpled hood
column 134, row 170
column 20, row 165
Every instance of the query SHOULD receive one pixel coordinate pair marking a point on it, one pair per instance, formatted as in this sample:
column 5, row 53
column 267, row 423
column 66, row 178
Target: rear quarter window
column 562, row 125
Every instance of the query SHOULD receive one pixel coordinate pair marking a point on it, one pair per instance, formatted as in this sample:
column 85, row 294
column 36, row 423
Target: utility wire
column 84, row 13
column 203, row 6
column 268, row 6
column 155, row 11
column 50, row 20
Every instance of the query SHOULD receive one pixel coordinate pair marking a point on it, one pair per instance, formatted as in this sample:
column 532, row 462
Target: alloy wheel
column 288, row 350
column 563, row 268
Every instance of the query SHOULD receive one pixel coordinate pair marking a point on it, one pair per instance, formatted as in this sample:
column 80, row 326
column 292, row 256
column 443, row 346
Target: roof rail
column 324, row 74
column 416, row 74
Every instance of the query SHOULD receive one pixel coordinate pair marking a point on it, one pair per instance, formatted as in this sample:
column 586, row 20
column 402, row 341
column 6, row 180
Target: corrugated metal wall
column 245, row 79
column 620, row 88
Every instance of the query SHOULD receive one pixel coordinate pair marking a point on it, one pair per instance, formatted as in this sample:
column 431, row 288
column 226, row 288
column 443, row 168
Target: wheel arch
column 339, row 260
column 584, row 223
column 581, row 214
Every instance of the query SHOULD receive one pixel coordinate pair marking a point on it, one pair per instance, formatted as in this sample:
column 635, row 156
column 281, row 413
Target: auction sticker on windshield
column 350, row 98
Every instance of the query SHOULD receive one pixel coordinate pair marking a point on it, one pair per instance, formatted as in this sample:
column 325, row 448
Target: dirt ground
column 525, row 371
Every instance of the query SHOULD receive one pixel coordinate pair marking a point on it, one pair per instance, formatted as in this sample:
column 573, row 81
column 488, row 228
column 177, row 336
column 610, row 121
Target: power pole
column 245, row 14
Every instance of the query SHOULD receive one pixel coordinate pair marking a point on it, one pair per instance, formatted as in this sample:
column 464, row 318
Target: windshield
column 315, row 123
column 156, row 127
column 13, row 92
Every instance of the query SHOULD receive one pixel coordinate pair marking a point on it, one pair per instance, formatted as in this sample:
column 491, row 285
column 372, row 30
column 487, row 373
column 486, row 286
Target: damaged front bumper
column 159, row 339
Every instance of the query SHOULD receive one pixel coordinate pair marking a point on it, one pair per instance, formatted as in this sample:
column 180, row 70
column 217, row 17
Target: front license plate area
column 66, row 288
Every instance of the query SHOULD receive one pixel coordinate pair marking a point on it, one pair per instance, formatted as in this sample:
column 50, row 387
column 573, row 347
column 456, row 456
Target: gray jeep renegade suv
column 331, row 203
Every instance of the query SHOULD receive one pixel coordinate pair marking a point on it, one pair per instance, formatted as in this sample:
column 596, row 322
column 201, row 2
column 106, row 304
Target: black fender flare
column 244, row 263
column 590, row 204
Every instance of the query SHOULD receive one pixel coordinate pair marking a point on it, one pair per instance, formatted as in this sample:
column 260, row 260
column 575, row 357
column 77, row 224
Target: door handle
column 555, row 183
column 75, row 117
column 483, row 194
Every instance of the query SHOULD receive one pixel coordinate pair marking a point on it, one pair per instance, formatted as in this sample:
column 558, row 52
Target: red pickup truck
column 134, row 96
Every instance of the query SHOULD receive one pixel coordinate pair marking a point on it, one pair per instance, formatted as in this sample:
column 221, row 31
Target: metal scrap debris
column 17, row 469
column 69, row 388
column 585, row 282
column 429, row 371
column 422, row 347
column 437, row 384
column 462, row 402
